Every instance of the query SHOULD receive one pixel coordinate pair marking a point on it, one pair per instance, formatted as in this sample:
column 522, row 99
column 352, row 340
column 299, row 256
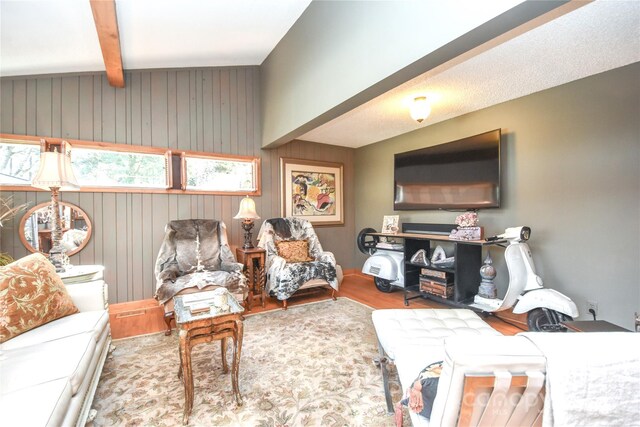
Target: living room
column 570, row 149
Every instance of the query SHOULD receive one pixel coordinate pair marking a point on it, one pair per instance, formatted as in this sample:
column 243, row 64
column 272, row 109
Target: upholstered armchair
column 295, row 259
column 195, row 256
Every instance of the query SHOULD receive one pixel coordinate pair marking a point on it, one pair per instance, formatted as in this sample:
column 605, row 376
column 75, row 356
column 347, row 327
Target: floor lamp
column 55, row 174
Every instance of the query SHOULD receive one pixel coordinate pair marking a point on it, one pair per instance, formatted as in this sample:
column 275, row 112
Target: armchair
column 195, row 256
column 308, row 265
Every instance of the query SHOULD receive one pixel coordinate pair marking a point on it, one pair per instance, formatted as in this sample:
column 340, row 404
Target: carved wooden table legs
column 216, row 329
column 253, row 260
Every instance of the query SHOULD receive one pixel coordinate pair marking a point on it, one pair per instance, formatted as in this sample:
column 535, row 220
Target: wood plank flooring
column 354, row 286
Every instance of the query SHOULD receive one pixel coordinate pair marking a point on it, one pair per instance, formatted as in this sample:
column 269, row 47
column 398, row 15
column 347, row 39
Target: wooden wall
column 210, row 109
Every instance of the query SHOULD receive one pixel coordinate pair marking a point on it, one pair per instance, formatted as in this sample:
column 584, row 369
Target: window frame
column 224, row 157
column 168, row 153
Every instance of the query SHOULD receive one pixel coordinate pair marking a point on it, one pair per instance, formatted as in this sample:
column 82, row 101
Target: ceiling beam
column 104, row 15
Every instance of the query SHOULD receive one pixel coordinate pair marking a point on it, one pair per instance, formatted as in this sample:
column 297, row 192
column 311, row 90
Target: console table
column 465, row 272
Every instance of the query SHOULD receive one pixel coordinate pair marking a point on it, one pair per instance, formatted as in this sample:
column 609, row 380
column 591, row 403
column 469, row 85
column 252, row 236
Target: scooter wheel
column 546, row 320
column 366, row 242
column 384, row 285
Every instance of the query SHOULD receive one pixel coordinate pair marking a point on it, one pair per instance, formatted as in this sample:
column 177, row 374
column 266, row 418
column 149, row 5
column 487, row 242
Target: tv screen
column 463, row 174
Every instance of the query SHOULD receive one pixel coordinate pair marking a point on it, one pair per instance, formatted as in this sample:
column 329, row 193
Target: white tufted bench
column 421, row 332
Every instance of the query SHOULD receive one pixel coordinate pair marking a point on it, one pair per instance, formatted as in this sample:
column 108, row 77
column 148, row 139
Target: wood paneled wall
column 209, row 109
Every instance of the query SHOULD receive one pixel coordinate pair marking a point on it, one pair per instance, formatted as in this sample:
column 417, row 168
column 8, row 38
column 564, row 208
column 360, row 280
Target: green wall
column 340, row 54
column 571, row 171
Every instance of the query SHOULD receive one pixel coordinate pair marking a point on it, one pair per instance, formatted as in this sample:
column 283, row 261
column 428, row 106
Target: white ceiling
column 575, row 41
column 59, row 36
column 591, row 39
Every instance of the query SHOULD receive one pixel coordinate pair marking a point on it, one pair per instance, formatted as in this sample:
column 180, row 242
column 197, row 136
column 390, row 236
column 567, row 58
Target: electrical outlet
column 592, row 305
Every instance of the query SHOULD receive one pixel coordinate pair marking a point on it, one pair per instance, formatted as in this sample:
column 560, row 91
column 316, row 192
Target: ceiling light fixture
column 420, row 108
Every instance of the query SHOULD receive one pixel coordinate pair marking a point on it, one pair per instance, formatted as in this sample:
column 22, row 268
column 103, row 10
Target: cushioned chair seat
column 94, row 322
column 396, row 327
column 51, row 397
column 69, row 357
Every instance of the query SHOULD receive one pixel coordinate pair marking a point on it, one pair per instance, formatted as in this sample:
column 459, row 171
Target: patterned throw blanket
column 292, row 276
column 286, row 278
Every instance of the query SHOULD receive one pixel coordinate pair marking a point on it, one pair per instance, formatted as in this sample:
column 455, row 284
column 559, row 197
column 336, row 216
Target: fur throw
column 284, row 279
column 178, row 258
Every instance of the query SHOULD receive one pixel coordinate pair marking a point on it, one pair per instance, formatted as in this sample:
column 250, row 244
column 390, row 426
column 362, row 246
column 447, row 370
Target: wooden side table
column 213, row 324
column 254, row 260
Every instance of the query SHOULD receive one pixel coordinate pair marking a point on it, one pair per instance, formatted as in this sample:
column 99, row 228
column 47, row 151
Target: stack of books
column 436, row 282
column 198, row 302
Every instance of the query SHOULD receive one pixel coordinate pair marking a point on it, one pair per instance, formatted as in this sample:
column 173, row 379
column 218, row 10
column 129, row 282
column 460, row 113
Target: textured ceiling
column 591, row 39
column 47, row 36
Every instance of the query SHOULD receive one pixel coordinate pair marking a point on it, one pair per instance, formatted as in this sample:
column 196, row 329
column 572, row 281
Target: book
column 199, row 307
column 443, row 292
column 388, row 245
column 435, row 273
column 435, row 288
column 432, row 283
column 442, row 281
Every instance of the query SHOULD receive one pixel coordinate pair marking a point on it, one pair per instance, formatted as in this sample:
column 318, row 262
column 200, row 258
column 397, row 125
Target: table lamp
column 55, row 174
column 247, row 213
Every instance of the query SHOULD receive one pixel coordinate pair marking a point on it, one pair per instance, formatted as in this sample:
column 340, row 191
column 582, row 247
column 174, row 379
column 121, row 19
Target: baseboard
column 133, row 318
column 519, row 320
column 356, row 272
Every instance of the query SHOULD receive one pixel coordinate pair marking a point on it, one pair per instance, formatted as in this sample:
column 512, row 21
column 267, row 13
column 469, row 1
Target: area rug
column 310, row 365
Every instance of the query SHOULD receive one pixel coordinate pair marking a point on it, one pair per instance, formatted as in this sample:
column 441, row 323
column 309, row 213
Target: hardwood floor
column 140, row 317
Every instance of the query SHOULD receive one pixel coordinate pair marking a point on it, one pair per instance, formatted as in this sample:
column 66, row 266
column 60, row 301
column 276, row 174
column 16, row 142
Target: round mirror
column 35, row 228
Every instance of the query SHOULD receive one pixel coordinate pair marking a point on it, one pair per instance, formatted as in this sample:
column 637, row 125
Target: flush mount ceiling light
column 420, row 108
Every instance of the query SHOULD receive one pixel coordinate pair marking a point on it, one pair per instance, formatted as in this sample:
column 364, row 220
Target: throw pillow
column 422, row 393
column 31, row 294
column 294, row 250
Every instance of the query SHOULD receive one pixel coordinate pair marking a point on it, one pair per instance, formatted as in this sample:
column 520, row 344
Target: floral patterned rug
column 310, row 365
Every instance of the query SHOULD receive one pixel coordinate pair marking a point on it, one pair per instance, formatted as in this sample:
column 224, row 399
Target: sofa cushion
column 396, row 327
column 294, row 250
column 93, row 322
column 45, row 404
column 31, row 294
column 68, row 357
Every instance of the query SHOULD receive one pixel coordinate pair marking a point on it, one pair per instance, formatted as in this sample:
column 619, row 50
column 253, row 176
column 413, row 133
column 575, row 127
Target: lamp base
column 247, row 226
column 59, row 259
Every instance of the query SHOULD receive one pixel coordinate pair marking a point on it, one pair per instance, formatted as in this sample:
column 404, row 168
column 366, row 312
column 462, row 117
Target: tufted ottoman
column 421, row 332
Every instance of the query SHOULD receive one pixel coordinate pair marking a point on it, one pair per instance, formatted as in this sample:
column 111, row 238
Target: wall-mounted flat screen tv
column 458, row 175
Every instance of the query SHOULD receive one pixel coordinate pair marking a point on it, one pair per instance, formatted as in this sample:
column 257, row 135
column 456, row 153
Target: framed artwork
column 390, row 224
column 312, row 190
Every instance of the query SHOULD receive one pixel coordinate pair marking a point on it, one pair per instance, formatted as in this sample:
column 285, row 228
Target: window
column 105, row 167
column 18, row 163
column 219, row 174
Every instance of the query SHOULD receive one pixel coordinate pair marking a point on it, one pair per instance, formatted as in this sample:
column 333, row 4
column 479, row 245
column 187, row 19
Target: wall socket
column 592, row 305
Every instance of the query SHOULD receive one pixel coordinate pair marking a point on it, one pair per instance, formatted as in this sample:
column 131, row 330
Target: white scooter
column 546, row 308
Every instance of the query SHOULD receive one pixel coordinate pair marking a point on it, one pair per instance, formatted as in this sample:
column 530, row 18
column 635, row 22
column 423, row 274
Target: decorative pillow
column 294, row 250
column 31, row 294
column 422, row 393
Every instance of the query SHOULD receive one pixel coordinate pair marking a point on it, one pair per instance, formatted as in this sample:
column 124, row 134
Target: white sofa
column 526, row 380
column 48, row 375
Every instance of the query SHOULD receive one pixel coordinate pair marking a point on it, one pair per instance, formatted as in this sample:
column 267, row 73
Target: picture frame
column 390, row 224
column 312, row 190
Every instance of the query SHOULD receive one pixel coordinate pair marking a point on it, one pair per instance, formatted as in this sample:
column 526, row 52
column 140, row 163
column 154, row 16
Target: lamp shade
column 420, row 108
column 55, row 172
column 247, row 209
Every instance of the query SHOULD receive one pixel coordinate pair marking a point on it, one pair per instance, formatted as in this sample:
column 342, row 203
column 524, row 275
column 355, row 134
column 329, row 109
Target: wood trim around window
column 140, row 149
